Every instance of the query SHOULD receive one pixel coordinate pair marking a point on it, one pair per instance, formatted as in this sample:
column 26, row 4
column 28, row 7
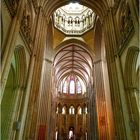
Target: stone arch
column 76, row 42
column 7, row 104
column 64, row 109
column 130, row 66
column 98, row 6
column 132, row 91
column 5, row 27
column 13, row 92
column 1, row 29
column 137, row 76
column 21, row 77
column 32, row 14
column 49, row 42
column 72, row 109
column 79, row 109
column 21, row 67
column 85, row 108
column 102, row 89
column 98, row 39
column 59, row 106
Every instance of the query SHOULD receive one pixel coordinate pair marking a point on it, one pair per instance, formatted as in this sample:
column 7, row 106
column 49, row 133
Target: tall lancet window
column 65, row 87
column 79, row 88
column 71, row 110
column 72, row 87
column 72, row 84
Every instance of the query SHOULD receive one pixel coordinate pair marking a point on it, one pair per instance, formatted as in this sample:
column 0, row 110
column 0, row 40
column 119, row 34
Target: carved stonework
column 35, row 5
column 26, row 26
column 126, row 23
column 116, row 5
column 66, row 120
column 12, row 6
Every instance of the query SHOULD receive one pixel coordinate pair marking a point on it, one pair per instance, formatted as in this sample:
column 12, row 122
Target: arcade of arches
column 70, row 70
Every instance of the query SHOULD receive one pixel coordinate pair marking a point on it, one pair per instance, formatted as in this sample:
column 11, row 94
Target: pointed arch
column 21, row 66
column 130, row 66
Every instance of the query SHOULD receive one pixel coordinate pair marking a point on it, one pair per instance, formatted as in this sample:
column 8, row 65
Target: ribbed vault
column 72, row 60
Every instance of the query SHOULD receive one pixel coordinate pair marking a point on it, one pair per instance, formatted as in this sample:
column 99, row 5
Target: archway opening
column 71, row 133
column 72, row 70
column 8, row 104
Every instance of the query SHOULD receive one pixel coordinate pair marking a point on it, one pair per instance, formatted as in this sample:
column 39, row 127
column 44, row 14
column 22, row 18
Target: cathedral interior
column 70, row 70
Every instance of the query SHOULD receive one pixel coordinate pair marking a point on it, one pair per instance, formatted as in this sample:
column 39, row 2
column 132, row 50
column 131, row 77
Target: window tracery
column 72, row 84
column 72, row 110
column 74, row 19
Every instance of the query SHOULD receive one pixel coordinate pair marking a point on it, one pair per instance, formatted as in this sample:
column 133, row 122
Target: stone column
column 53, row 121
column 20, row 90
column 123, row 100
column 101, row 102
column 92, row 122
column 10, row 128
column 49, row 104
column 24, row 103
column 120, row 111
column 133, row 121
column 135, row 14
column 37, row 59
column 9, row 44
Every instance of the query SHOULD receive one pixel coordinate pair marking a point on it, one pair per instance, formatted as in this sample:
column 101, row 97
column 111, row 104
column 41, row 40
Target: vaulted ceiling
column 73, row 59
column 100, row 7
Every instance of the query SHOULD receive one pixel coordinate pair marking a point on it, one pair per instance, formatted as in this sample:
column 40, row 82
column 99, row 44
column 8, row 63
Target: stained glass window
column 72, row 84
column 72, row 87
column 79, row 88
column 65, row 87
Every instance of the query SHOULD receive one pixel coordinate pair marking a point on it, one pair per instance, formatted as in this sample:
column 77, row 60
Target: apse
column 72, row 70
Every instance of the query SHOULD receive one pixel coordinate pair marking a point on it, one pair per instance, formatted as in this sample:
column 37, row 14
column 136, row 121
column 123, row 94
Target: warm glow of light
column 79, row 110
column 71, row 110
column 63, row 110
column 73, row 8
column 74, row 19
column 70, row 134
column 56, row 135
column 72, row 87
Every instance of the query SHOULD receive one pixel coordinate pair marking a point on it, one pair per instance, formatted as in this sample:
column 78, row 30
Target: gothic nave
column 70, row 70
